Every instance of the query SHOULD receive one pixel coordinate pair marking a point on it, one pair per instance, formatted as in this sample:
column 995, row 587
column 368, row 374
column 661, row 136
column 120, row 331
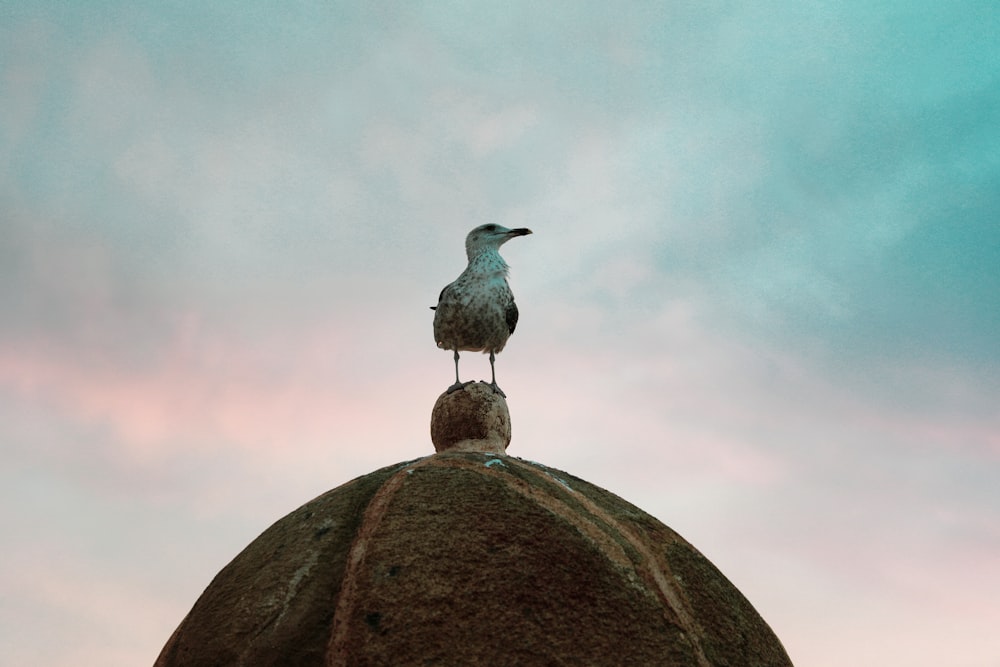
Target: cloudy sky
column 762, row 300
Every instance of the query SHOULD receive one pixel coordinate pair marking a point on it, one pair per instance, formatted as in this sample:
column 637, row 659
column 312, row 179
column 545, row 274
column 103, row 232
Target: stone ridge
column 733, row 633
column 471, row 558
column 273, row 603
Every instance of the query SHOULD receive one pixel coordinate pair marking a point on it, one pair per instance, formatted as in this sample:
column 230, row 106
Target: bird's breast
column 471, row 315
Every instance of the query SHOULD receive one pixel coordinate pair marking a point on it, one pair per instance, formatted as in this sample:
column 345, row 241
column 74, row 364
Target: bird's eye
column 490, row 228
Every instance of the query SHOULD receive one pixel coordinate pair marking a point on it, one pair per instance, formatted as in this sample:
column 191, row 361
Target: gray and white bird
column 476, row 313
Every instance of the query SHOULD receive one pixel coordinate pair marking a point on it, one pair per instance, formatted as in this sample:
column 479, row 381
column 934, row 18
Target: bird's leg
column 458, row 385
column 493, row 376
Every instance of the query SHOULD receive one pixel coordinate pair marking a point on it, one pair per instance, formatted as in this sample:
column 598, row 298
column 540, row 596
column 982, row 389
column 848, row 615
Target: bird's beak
column 520, row 231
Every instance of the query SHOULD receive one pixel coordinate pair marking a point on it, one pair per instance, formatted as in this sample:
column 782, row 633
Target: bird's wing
column 440, row 296
column 511, row 315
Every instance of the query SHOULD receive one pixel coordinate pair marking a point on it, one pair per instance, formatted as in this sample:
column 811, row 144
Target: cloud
column 760, row 301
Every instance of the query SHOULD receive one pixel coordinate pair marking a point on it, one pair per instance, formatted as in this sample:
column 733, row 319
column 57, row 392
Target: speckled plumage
column 477, row 313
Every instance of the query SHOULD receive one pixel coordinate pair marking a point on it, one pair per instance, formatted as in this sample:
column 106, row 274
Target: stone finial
column 471, row 419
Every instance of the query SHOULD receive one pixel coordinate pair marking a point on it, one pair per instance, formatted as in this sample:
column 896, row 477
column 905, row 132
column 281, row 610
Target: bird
column 477, row 313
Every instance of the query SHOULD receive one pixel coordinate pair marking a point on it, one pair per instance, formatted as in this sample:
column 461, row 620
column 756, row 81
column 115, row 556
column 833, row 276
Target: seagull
column 476, row 313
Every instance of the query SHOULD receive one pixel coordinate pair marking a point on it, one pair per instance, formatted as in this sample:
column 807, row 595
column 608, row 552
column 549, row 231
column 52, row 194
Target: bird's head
column 490, row 237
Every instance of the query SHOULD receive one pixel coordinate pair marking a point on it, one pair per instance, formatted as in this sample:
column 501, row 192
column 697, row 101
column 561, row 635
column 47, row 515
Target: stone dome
column 471, row 558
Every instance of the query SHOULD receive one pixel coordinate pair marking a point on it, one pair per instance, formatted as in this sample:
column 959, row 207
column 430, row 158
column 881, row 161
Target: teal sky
column 762, row 300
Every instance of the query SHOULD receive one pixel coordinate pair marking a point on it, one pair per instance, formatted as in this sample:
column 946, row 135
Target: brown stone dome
column 471, row 558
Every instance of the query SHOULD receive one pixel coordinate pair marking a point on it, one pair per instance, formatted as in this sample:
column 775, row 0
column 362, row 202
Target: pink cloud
column 72, row 612
column 201, row 387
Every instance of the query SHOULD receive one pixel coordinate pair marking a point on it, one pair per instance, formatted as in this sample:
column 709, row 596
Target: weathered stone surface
column 472, row 419
column 470, row 558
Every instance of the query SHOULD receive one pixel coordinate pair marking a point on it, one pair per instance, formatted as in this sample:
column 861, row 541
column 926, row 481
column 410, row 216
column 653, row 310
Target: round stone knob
column 471, row 419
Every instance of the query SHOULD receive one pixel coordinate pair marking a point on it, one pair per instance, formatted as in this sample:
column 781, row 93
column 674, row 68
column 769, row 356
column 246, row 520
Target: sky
column 761, row 302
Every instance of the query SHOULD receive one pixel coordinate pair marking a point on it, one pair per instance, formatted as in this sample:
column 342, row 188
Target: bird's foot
column 455, row 387
column 497, row 390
